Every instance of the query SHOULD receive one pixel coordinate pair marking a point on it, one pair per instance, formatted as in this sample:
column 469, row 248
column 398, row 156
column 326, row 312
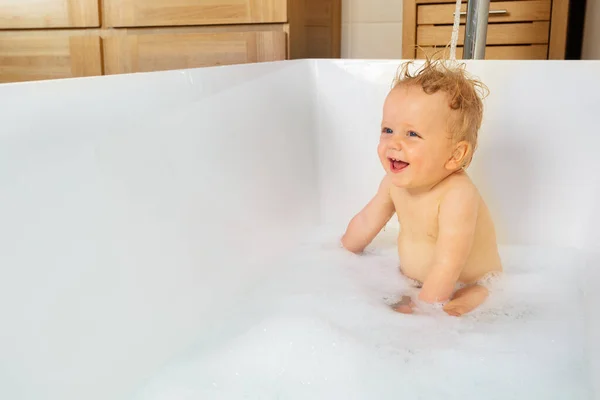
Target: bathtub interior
column 134, row 209
column 174, row 235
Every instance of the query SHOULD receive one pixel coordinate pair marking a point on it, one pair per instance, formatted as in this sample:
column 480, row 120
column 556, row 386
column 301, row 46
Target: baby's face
column 415, row 144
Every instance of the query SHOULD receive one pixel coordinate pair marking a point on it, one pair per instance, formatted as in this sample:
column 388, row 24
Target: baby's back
column 418, row 216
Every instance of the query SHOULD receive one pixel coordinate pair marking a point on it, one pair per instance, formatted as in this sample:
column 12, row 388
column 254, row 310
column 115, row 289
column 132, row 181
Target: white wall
column 126, row 201
column 372, row 29
column 591, row 34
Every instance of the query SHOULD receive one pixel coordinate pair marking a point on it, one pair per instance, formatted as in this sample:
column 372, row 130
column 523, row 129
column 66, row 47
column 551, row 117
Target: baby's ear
column 459, row 155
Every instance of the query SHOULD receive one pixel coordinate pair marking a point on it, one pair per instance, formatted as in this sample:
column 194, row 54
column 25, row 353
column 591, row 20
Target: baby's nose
column 396, row 143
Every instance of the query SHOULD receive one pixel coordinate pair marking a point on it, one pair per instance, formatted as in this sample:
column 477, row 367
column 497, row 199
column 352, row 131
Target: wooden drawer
column 497, row 34
column 533, row 52
column 500, row 11
column 27, row 57
column 24, row 14
column 132, row 13
column 451, row 1
column 156, row 52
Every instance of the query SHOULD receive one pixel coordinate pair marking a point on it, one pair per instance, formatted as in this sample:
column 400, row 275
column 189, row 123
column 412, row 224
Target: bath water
column 319, row 326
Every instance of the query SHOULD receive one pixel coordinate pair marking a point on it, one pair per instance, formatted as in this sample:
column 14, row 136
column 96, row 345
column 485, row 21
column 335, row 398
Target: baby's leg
column 411, row 282
column 466, row 300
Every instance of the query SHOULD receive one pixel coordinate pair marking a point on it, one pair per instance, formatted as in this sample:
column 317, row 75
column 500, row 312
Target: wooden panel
column 534, row 52
column 409, row 29
column 323, row 23
column 315, row 29
column 28, row 58
column 518, row 33
column 336, row 29
column 516, row 11
column 297, row 35
column 145, row 53
column 86, row 56
column 120, row 13
column 108, row 32
column 318, row 12
column 24, row 14
column 318, row 41
column 558, row 29
column 449, row 1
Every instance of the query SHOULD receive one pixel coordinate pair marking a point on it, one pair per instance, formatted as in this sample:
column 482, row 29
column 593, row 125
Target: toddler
column 447, row 238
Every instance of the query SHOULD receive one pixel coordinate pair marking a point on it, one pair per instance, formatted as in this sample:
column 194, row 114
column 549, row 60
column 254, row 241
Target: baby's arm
column 363, row 228
column 457, row 219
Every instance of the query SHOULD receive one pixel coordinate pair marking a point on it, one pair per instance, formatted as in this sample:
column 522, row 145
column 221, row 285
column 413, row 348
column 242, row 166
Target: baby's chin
column 398, row 181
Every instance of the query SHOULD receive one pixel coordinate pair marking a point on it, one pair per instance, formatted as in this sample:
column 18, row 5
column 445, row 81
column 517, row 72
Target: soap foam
column 321, row 327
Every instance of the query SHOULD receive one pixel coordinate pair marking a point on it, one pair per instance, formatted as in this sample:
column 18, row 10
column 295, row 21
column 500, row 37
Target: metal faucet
column 476, row 29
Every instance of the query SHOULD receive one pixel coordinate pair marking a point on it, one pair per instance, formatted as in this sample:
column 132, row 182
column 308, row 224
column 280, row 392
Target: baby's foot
column 404, row 306
column 466, row 300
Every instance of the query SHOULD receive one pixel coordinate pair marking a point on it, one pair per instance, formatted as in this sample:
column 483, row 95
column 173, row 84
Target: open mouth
column 397, row 165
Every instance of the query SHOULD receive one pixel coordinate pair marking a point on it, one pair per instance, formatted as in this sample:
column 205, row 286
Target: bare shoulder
column 459, row 193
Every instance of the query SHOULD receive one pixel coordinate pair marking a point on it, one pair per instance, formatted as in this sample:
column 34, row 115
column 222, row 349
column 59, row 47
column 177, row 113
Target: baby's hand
column 404, row 306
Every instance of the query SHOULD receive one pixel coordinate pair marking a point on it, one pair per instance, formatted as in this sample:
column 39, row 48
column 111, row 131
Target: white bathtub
column 149, row 219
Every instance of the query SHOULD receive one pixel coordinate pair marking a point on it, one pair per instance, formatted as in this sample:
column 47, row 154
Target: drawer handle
column 494, row 12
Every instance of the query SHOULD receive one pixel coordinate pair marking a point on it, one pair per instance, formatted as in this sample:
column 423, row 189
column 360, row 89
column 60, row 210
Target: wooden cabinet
column 27, row 14
column 155, row 52
column 533, row 52
column 94, row 37
column 500, row 11
column 497, row 34
column 323, row 37
column 28, row 57
column 120, row 13
column 517, row 29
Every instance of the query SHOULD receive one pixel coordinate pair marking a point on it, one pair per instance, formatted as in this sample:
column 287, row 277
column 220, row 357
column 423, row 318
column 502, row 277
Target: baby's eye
column 387, row 130
column 413, row 134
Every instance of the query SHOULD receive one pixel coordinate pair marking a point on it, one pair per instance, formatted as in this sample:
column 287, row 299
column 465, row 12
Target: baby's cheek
column 414, row 155
column 381, row 149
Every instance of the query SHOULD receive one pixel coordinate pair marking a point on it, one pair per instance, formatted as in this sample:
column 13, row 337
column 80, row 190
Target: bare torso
column 418, row 218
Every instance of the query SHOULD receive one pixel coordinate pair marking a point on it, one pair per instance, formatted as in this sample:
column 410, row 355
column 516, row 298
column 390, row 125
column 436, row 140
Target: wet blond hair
column 465, row 95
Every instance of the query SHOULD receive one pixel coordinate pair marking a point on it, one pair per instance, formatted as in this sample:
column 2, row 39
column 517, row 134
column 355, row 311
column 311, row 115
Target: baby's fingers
column 404, row 306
